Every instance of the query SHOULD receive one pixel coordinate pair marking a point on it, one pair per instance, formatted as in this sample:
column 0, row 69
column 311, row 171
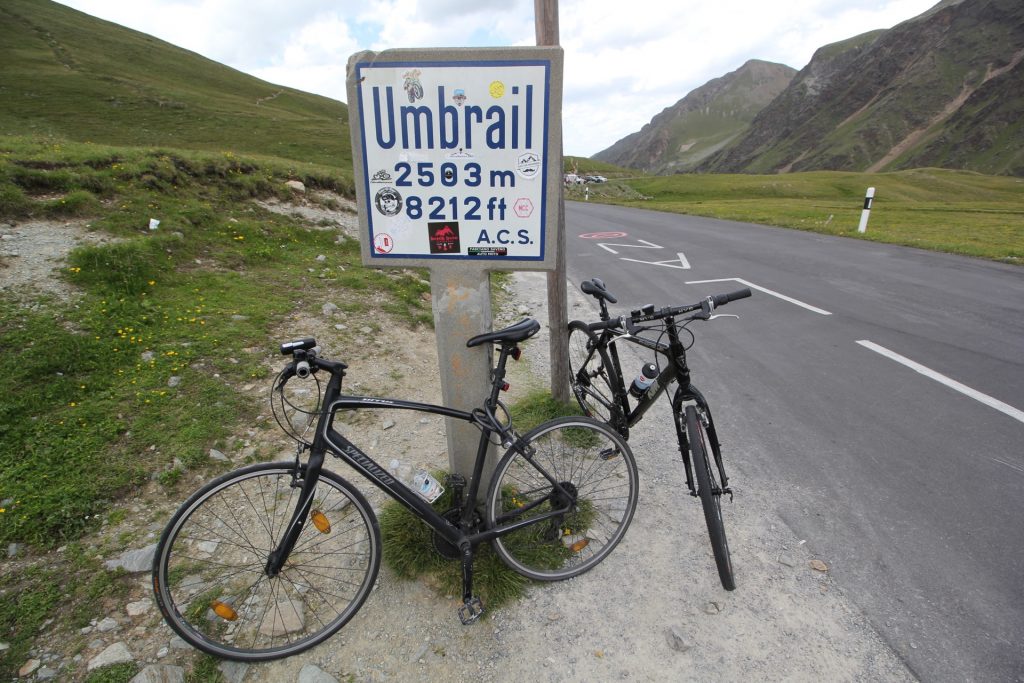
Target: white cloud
column 624, row 63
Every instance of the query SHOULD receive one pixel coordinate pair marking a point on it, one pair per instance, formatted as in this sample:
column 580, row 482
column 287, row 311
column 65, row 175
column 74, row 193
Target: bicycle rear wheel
column 596, row 488
column 592, row 377
column 710, row 493
column 209, row 577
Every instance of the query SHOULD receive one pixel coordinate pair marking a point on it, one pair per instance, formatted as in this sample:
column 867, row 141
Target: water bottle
column 643, row 381
column 428, row 487
column 422, row 482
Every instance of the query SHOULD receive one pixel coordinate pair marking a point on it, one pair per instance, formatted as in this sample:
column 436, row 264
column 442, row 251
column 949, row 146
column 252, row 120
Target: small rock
column 115, row 654
column 239, row 317
column 677, row 641
column 310, row 673
column 712, row 608
column 523, row 310
column 787, row 560
column 134, row 561
column 46, row 674
column 416, row 657
column 321, row 258
column 173, row 381
column 329, row 308
column 296, row 185
column 233, row 672
column 160, row 673
column 178, row 644
column 13, row 549
column 388, row 424
column 217, row 455
column 28, row 668
column 366, row 330
column 340, row 327
column 107, row 625
column 5, row 646
column 137, row 609
column 148, row 356
column 819, row 566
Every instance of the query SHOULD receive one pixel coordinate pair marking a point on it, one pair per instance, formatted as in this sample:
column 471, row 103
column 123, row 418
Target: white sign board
column 457, row 155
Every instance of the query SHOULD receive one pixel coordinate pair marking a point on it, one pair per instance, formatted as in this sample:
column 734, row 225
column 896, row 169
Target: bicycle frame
column 675, row 370
column 328, row 440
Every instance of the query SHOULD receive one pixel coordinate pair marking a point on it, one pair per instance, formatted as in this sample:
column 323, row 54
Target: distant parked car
column 596, row 179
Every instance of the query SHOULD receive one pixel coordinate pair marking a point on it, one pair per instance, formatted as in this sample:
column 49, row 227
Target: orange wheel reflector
column 320, row 521
column 579, row 545
column 224, row 610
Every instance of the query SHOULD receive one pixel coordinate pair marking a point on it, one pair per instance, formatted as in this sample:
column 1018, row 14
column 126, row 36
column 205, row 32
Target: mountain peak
column 704, row 121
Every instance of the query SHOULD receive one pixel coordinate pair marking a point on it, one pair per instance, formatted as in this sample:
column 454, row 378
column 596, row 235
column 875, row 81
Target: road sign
column 457, row 155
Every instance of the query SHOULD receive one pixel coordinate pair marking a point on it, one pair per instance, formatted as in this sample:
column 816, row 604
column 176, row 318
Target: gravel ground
column 653, row 611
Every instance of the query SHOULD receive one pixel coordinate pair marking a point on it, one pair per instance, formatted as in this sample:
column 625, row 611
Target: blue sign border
column 546, row 64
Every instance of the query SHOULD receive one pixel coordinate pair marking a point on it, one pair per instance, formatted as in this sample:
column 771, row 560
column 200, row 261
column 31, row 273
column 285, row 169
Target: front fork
column 305, row 477
column 691, row 393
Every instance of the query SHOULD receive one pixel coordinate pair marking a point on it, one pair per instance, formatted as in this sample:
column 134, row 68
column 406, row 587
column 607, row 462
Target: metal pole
column 546, row 20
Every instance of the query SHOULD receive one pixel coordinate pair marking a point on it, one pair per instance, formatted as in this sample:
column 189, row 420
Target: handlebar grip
column 604, row 325
column 302, row 369
column 723, row 299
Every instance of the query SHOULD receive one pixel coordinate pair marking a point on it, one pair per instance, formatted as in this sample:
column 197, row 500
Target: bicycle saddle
column 596, row 289
column 524, row 329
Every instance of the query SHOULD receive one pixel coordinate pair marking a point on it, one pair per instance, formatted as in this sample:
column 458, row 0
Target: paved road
column 880, row 389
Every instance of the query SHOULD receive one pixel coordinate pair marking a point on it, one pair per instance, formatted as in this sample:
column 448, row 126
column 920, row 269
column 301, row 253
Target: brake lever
column 722, row 315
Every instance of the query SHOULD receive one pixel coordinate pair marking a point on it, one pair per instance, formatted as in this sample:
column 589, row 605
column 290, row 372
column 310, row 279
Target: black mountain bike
column 597, row 382
column 271, row 559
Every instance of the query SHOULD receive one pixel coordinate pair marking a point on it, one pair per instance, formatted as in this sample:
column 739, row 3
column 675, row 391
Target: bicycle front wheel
column 591, row 375
column 575, row 480
column 209, row 571
column 710, row 493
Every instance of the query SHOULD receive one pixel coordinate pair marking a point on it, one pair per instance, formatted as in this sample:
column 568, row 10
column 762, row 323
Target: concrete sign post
column 457, row 159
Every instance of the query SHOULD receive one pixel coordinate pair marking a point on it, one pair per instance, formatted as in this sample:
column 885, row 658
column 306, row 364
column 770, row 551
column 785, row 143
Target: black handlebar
column 649, row 313
column 723, row 299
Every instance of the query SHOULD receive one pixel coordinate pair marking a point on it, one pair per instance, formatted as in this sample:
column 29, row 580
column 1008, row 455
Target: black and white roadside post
column 868, row 198
column 457, row 164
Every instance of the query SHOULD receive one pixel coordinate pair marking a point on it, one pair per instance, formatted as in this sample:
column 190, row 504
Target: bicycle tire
column 710, row 493
column 208, row 572
column 592, row 377
column 588, row 459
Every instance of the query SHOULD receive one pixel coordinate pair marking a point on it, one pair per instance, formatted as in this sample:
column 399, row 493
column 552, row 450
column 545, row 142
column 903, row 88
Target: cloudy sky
column 624, row 61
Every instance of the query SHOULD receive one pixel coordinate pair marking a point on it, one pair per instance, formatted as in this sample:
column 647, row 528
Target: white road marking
column 683, row 264
column 942, row 379
column 766, row 291
column 645, row 245
column 1010, row 465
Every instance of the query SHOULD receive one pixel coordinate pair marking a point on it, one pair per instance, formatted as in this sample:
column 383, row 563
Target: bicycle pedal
column 471, row 611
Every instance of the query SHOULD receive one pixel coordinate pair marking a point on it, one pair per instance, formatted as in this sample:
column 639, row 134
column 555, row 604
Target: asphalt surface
column 879, row 391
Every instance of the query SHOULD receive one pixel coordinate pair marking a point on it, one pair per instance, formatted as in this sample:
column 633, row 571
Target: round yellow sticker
column 497, row 90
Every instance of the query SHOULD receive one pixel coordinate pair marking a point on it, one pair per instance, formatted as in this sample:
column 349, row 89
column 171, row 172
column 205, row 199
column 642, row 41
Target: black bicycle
column 597, row 383
column 271, row 559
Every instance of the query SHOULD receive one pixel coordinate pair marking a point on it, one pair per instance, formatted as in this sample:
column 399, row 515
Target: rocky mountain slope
column 706, row 120
column 943, row 89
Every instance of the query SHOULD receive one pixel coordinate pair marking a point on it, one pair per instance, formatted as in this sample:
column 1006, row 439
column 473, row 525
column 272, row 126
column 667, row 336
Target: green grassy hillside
column 66, row 75
column 953, row 211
